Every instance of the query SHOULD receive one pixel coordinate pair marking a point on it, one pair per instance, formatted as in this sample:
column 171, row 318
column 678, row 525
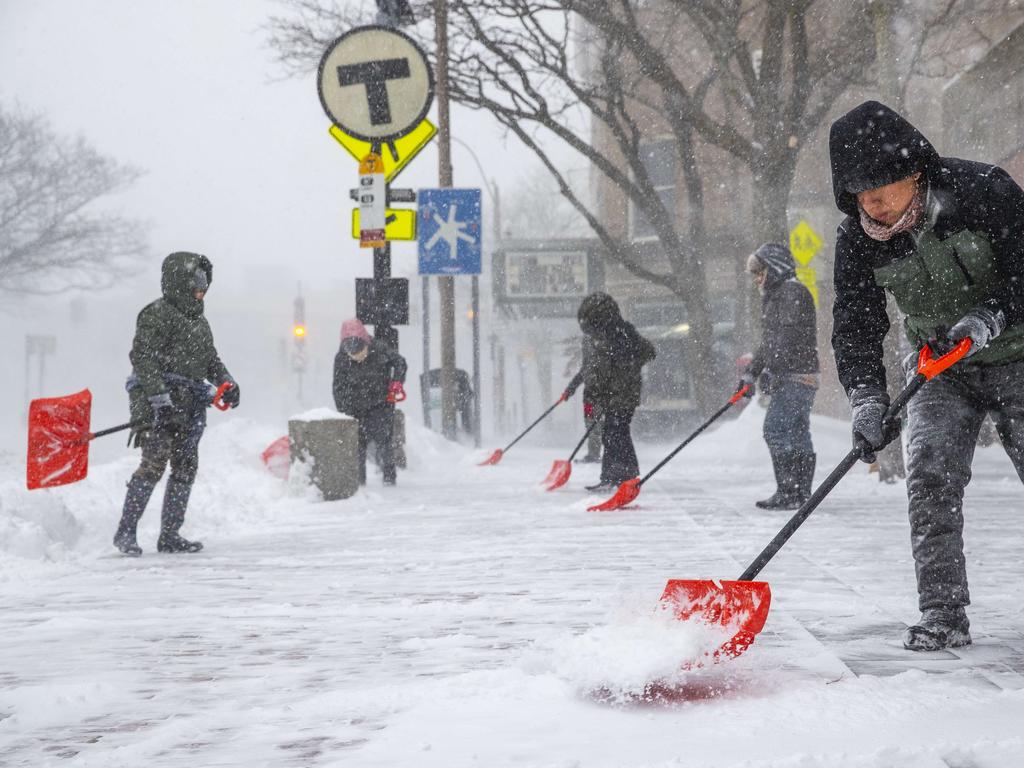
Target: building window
column 659, row 158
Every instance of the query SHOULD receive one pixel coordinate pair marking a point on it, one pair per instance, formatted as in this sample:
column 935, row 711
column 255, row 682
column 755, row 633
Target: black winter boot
column 172, row 517
column 806, row 464
column 782, row 463
column 794, row 473
column 135, row 501
column 946, row 627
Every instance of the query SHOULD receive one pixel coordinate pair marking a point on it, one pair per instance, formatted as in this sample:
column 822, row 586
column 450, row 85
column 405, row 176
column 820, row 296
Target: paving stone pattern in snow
column 468, row 618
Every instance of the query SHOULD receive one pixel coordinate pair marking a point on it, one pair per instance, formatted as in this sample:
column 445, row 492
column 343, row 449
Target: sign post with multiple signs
column 376, row 86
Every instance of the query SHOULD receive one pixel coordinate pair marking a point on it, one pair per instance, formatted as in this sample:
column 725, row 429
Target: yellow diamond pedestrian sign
column 804, row 243
column 395, row 154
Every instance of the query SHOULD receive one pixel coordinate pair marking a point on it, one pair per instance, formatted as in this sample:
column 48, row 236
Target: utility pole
column 446, row 283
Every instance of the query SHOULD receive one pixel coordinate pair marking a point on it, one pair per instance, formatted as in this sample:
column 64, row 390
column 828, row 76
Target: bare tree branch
column 53, row 234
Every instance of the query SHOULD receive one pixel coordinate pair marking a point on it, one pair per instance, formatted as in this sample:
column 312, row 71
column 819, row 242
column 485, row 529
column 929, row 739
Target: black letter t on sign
column 374, row 75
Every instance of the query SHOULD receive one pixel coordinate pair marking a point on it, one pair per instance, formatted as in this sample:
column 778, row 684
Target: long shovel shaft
column 538, row 421
column 826, row 487
column 586, row 434
column 714, row 417
column 118, row 428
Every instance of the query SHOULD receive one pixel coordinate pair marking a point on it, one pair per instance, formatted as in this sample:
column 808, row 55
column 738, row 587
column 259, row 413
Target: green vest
column 940, row 282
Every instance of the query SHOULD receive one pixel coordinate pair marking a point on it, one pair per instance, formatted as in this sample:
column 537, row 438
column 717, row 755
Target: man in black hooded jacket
column 788, row 358
column 946, row 238
column 611, row 376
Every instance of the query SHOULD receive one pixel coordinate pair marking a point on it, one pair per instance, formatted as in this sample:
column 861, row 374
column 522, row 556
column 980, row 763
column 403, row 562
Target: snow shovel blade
column 493, row 459
column 277, row 457
column 740, row 607
column 58, row 440
column 559, row 474
column 627, row 491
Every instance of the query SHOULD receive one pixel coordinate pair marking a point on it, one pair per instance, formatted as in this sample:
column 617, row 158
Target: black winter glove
column 981, row 325
column 232, row 395
column 871, row 430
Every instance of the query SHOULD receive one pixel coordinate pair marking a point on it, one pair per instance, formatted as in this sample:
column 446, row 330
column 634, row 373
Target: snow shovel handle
column 714, row 417
column 118, row 428
column 927, row 368
column 540, row 418
column 593, row 423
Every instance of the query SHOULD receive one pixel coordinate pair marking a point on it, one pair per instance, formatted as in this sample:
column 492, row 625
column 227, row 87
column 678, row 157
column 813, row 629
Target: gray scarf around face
column 911, row 217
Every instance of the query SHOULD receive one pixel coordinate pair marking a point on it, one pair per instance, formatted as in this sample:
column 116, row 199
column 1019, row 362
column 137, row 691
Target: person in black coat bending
column 612, row 382
column 944, row 237
column 368, row 379
column 787, row 363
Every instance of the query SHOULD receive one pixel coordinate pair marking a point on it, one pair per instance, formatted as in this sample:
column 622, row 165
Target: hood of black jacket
column 871, row 146
column 598, row 314
column 177, row 280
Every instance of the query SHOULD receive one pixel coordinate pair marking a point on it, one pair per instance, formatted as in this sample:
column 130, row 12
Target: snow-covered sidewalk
column 466, row 617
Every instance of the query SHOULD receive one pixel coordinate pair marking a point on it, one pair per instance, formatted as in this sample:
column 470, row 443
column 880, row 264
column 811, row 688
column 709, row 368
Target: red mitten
column 588, row 410
column 396, row 393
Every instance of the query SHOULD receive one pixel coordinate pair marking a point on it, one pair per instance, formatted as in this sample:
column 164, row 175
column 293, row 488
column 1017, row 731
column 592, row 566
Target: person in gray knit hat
column 787, row 364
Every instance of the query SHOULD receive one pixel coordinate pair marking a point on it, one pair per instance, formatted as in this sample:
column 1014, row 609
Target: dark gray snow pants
column 943, row 421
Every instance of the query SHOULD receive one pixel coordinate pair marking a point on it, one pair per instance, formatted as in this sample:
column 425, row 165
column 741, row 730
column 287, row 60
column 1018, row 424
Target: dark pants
column 943, row 421
column 619, row 461
column 787, row 425
column 180, row 448
column 594, row 439
column 376, row 427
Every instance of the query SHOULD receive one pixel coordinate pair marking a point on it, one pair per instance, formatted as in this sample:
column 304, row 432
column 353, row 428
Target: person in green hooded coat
column 173, row 357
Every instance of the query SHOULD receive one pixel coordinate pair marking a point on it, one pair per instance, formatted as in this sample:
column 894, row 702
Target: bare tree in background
column 753, row 79
column 52, row 236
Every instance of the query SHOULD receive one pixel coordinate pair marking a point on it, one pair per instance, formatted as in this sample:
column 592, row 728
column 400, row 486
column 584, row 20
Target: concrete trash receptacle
column 330, row 443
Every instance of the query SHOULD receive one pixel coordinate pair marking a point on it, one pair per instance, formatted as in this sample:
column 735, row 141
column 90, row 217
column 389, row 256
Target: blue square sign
column 449, row 231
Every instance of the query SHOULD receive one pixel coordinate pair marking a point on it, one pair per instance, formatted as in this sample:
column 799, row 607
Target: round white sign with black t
column 375, row 83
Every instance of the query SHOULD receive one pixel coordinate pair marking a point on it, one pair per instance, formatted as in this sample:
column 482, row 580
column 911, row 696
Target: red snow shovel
column 562, row 469
column 741, row 606
column 58, row 437
column 630, row 489
column 495, row 457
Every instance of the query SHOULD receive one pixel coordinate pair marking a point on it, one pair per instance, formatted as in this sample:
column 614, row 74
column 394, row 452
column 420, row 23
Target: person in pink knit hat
column 368, row 381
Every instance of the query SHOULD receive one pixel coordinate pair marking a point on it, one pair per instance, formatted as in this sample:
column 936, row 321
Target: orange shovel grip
column 217, row 402
column 930, row 367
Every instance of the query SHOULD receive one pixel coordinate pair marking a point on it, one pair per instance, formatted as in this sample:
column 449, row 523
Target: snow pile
column 623, row 659
column 322, row 413
column 233, row 492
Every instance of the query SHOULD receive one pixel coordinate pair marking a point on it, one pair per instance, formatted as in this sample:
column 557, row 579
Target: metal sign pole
column 476, row 360
column 446, row 284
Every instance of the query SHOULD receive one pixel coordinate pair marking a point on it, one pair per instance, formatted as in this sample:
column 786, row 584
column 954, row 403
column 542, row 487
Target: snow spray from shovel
column 742, row 605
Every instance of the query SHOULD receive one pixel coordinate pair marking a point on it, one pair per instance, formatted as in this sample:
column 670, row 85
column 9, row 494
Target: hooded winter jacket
column 788, row 327
column 968, row 250
column 362, row 387
column 612, row 371
column 173, row 342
